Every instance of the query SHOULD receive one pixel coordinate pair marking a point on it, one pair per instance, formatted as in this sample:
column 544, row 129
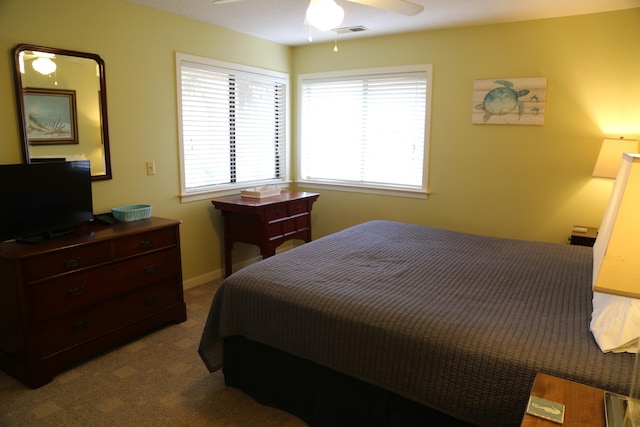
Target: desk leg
column 307, row 234
column 266, row 251
column 228, row 264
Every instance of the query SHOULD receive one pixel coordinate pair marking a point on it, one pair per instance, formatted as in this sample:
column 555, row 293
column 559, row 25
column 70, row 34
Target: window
column 366, row 130
column 233, row 127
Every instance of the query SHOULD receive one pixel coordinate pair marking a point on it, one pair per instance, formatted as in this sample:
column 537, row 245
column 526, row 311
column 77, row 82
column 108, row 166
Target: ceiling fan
column 327, row 15
column 42, row 62
column 402, row 7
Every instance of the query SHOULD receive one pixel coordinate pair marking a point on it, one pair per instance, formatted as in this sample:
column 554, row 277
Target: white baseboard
column 217, row 274
column 201, row 280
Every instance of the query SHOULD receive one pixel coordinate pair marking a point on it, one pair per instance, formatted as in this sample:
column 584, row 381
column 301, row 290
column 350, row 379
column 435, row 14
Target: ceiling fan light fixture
column 325, row 15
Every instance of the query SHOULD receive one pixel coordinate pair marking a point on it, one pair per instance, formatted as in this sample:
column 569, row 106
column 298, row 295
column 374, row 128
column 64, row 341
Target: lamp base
column 619, row 411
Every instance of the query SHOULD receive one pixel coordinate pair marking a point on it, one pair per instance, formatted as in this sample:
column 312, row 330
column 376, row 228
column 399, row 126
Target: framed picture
column 51, row 116
column 509, row 101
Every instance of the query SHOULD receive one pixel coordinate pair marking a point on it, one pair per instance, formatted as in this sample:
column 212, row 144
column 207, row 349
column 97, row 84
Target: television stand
column 68, row 299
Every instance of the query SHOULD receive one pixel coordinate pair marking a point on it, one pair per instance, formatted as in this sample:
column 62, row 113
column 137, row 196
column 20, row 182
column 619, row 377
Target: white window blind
column 364, row 130
column 233, row 127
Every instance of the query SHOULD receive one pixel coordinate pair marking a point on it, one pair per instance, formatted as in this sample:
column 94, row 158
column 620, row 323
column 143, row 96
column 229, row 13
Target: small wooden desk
column 266, row 222
column 584, row 405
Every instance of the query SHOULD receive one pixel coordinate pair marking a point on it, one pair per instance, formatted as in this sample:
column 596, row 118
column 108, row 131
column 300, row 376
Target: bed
column 403, row 324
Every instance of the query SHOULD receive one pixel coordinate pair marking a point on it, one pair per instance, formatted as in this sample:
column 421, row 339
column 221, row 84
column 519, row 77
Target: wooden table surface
column 584, row 405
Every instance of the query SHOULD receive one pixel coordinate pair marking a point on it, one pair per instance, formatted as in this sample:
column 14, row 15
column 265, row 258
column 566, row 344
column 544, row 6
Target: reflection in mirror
column 62, row 103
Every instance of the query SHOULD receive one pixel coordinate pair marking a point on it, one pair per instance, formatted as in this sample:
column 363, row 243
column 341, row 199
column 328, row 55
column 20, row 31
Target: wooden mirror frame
column 21, row 90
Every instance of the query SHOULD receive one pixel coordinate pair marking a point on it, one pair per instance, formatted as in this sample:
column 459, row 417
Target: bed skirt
column 318, row 395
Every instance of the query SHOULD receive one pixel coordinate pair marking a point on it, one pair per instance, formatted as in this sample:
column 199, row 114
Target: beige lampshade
column 616, row 253
column 611, row 154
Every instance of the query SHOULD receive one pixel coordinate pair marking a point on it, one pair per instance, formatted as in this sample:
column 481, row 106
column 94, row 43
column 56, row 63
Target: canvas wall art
column 509, row 101
column 51, row 116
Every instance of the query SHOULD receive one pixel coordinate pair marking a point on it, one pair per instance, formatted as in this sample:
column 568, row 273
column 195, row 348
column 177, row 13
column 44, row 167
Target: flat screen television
column 39, row 201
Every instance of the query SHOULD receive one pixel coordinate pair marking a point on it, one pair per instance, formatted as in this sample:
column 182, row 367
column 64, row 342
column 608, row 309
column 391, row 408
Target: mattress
column 457, row 322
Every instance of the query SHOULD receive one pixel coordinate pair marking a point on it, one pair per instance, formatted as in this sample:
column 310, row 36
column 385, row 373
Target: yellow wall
column 530, row 182
column 514, row 181
column 138, row 46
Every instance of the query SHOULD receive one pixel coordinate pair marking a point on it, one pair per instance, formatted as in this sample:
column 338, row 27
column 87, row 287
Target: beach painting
column 509, row 101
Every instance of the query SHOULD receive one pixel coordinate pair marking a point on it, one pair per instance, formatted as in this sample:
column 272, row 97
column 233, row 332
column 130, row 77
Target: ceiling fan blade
column 224, row 1
column 398, row 6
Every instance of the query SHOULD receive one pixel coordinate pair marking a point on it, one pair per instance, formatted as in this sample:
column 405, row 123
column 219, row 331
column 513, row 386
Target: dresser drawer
column 56, row 297
column 145, row 242
column 141, row 271
column 65, row 260
column 63, row 332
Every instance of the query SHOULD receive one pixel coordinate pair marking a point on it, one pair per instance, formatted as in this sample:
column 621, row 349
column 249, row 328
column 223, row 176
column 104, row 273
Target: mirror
column 62, row 104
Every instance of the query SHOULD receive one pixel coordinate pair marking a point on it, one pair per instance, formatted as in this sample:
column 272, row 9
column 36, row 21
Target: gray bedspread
column 455, row 321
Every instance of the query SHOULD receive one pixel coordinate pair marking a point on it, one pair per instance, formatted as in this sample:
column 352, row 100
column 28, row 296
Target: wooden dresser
column 70, row 298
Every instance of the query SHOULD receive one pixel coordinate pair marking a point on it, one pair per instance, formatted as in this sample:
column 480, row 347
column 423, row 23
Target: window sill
column 381, row 191
column 195, row 196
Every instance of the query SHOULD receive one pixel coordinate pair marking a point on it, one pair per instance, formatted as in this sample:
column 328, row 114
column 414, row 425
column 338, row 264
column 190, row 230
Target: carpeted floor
column 158, row 380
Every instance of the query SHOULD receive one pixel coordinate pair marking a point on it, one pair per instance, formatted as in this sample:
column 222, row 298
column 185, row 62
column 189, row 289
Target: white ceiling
column 282, row 21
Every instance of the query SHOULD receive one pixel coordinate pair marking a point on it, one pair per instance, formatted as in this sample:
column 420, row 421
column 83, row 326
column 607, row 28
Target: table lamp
column 616, row 261
column 610, row 154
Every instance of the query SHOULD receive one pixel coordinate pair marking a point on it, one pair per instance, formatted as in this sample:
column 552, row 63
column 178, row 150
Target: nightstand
column 583, row 236
column 584, row 405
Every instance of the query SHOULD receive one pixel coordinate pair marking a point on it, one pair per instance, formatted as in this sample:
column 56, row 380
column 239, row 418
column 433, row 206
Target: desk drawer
column 66, row 260
column 285, row 210
column 288, row 226
column 297, row 207
column 81, row 290
column 77, row 327
column 276, row 212
column 145, row 242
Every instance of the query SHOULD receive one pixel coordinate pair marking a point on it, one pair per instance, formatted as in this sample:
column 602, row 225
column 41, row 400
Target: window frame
column 380, row 189
column 188, row 195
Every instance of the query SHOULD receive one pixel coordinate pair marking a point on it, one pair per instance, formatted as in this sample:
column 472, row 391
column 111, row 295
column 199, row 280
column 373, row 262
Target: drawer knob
column 150, row 269
column 75, row 292
column 79, row 325
column 72, row 263
column 146, row 244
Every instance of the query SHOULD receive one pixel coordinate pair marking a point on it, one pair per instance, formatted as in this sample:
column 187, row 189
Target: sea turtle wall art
column 509, row 101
